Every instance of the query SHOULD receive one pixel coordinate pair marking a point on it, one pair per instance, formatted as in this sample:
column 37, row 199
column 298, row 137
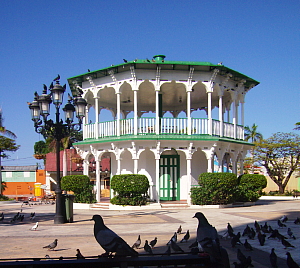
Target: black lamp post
column 58, row 129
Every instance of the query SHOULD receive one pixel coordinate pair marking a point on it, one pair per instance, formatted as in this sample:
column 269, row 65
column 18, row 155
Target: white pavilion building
column 171, row 121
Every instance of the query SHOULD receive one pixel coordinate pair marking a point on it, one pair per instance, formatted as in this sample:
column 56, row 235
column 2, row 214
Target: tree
column 6, row 144
column 280, row 155
column 297, row 126
column 254, row 136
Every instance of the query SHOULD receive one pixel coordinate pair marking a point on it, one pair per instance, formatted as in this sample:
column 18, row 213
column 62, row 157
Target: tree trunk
column 281, row 188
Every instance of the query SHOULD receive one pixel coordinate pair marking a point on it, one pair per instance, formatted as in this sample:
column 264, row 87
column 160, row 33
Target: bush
column 250, row 187
column 215, row 188
column 130, row 189
column 4, row 198
column 81, row 187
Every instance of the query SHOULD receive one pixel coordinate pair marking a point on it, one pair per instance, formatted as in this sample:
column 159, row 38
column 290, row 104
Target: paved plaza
column 18, row 241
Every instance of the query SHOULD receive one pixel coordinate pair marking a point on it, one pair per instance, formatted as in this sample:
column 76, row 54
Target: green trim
column 151, row 136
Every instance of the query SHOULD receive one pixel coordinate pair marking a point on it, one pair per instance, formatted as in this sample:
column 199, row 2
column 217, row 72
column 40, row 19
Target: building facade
column 171, row 121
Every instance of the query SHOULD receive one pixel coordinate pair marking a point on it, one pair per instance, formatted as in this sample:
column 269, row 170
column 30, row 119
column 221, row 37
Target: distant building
column 23, row 181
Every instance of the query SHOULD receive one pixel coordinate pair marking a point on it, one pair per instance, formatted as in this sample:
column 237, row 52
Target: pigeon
column 265, row 228
column 290, row 261
column 2, row 216
column 52, row 246
column 34, row 227
column 238, row 265
column 240, row 256
column 109, row 240
column 247, row 245
column 256, row 225
column 297, row 221
column 45, row 87
column 261, row 238
column 173, row 238
column 236, row 240
column 186, row 237
column 290, row 233
column 175, row 247
column 251, row 234
column 79, row 255
column 147, row 248
column 125, row 60
column 205, row 230
column 230, row 230
column 248, row 262
column 280, row 224
column 179, row 230
column 56, row 78
column 284, row 218
column 89, row 70
column 153, row 242
column 286, row 244
column 137, row 242
column 246, row 230
column 32, row 215
column 273, row 258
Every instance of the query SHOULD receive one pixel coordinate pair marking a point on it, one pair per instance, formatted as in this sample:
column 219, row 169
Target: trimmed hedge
column 130, row 189
column 215, row 188
column 225, row 188
column 81, row 186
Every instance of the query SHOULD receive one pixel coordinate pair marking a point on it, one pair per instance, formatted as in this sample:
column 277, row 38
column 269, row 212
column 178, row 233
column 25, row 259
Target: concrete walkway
column 18, row 241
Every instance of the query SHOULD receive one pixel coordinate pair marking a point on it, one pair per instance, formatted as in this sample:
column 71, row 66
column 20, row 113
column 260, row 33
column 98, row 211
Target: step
column 100, row 206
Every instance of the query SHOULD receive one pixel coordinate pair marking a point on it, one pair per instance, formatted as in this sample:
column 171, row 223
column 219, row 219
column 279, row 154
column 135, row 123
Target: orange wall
column 25, row 188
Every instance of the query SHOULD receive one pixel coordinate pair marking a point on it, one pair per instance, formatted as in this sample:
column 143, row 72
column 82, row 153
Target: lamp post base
column 60, row 214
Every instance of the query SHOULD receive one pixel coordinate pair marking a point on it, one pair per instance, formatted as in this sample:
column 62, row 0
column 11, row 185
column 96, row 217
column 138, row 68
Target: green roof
column 165, row 65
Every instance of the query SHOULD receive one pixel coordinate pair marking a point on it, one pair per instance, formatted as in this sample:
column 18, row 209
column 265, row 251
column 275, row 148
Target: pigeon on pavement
column 173, row 238
column 247, row 245
column 137, row 243
column 273, row 258
column 206, row 231
column 179, row 230
column 147, row 248
column 109, row 240
column 284, row 218
column 79, row 255
column 52, row 246
column 186, row 237
column 280, row 224
column 153, row 242
column 290, row 261
column 286, row 243
column 34, row 227
column 2, row 216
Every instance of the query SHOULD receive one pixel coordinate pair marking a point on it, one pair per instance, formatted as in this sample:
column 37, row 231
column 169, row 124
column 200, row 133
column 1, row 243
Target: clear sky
column 40, row 39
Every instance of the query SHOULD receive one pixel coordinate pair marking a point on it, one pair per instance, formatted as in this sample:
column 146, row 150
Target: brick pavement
column 18, row 241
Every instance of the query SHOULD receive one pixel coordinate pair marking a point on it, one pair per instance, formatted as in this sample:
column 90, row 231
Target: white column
column 118, row 113
column 221, row 115
column 86, row 167
column 157, row 180
column 189, row 178
column 157, row 112
column 85, row 121
column 118, row 165
column 234, row 119
column 242, row 113
column 209, row 113
column 97, row 117
column 135, row 112
column 209, row 164
column 188, row 109
column 98, row 181
column 135, row 166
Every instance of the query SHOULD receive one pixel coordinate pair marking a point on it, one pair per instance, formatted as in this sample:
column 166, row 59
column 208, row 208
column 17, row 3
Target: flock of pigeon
column 265, row 237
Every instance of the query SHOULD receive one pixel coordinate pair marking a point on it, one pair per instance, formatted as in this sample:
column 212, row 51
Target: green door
column 169, row 177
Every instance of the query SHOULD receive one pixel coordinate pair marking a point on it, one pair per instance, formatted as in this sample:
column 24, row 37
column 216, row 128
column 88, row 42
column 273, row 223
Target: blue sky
column 40, row 39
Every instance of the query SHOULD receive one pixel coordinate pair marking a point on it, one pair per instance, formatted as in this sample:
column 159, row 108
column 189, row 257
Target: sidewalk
column 18, row 241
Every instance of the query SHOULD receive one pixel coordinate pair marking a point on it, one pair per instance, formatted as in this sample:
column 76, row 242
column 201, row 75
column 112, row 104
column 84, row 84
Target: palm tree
column 254, row 136
column 297, row 126
column 5, row 132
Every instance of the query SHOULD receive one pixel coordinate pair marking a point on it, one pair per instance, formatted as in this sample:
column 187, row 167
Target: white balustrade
column 175, row 126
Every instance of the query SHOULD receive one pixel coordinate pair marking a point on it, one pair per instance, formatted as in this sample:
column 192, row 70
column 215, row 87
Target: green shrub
column 130, row 189
column 4, row 198
column 250, row 187
column 215, row 188
column 81, row 187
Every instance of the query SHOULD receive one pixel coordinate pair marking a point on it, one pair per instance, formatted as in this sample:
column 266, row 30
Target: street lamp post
column 58, row 129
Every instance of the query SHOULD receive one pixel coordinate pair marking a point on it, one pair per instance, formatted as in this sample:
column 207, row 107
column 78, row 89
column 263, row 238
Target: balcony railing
column 167, row 126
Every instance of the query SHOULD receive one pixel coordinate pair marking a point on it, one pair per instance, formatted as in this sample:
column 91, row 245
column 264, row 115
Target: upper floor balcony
column 162, row 126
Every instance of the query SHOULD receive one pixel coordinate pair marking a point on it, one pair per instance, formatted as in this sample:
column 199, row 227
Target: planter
column 39, row 156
